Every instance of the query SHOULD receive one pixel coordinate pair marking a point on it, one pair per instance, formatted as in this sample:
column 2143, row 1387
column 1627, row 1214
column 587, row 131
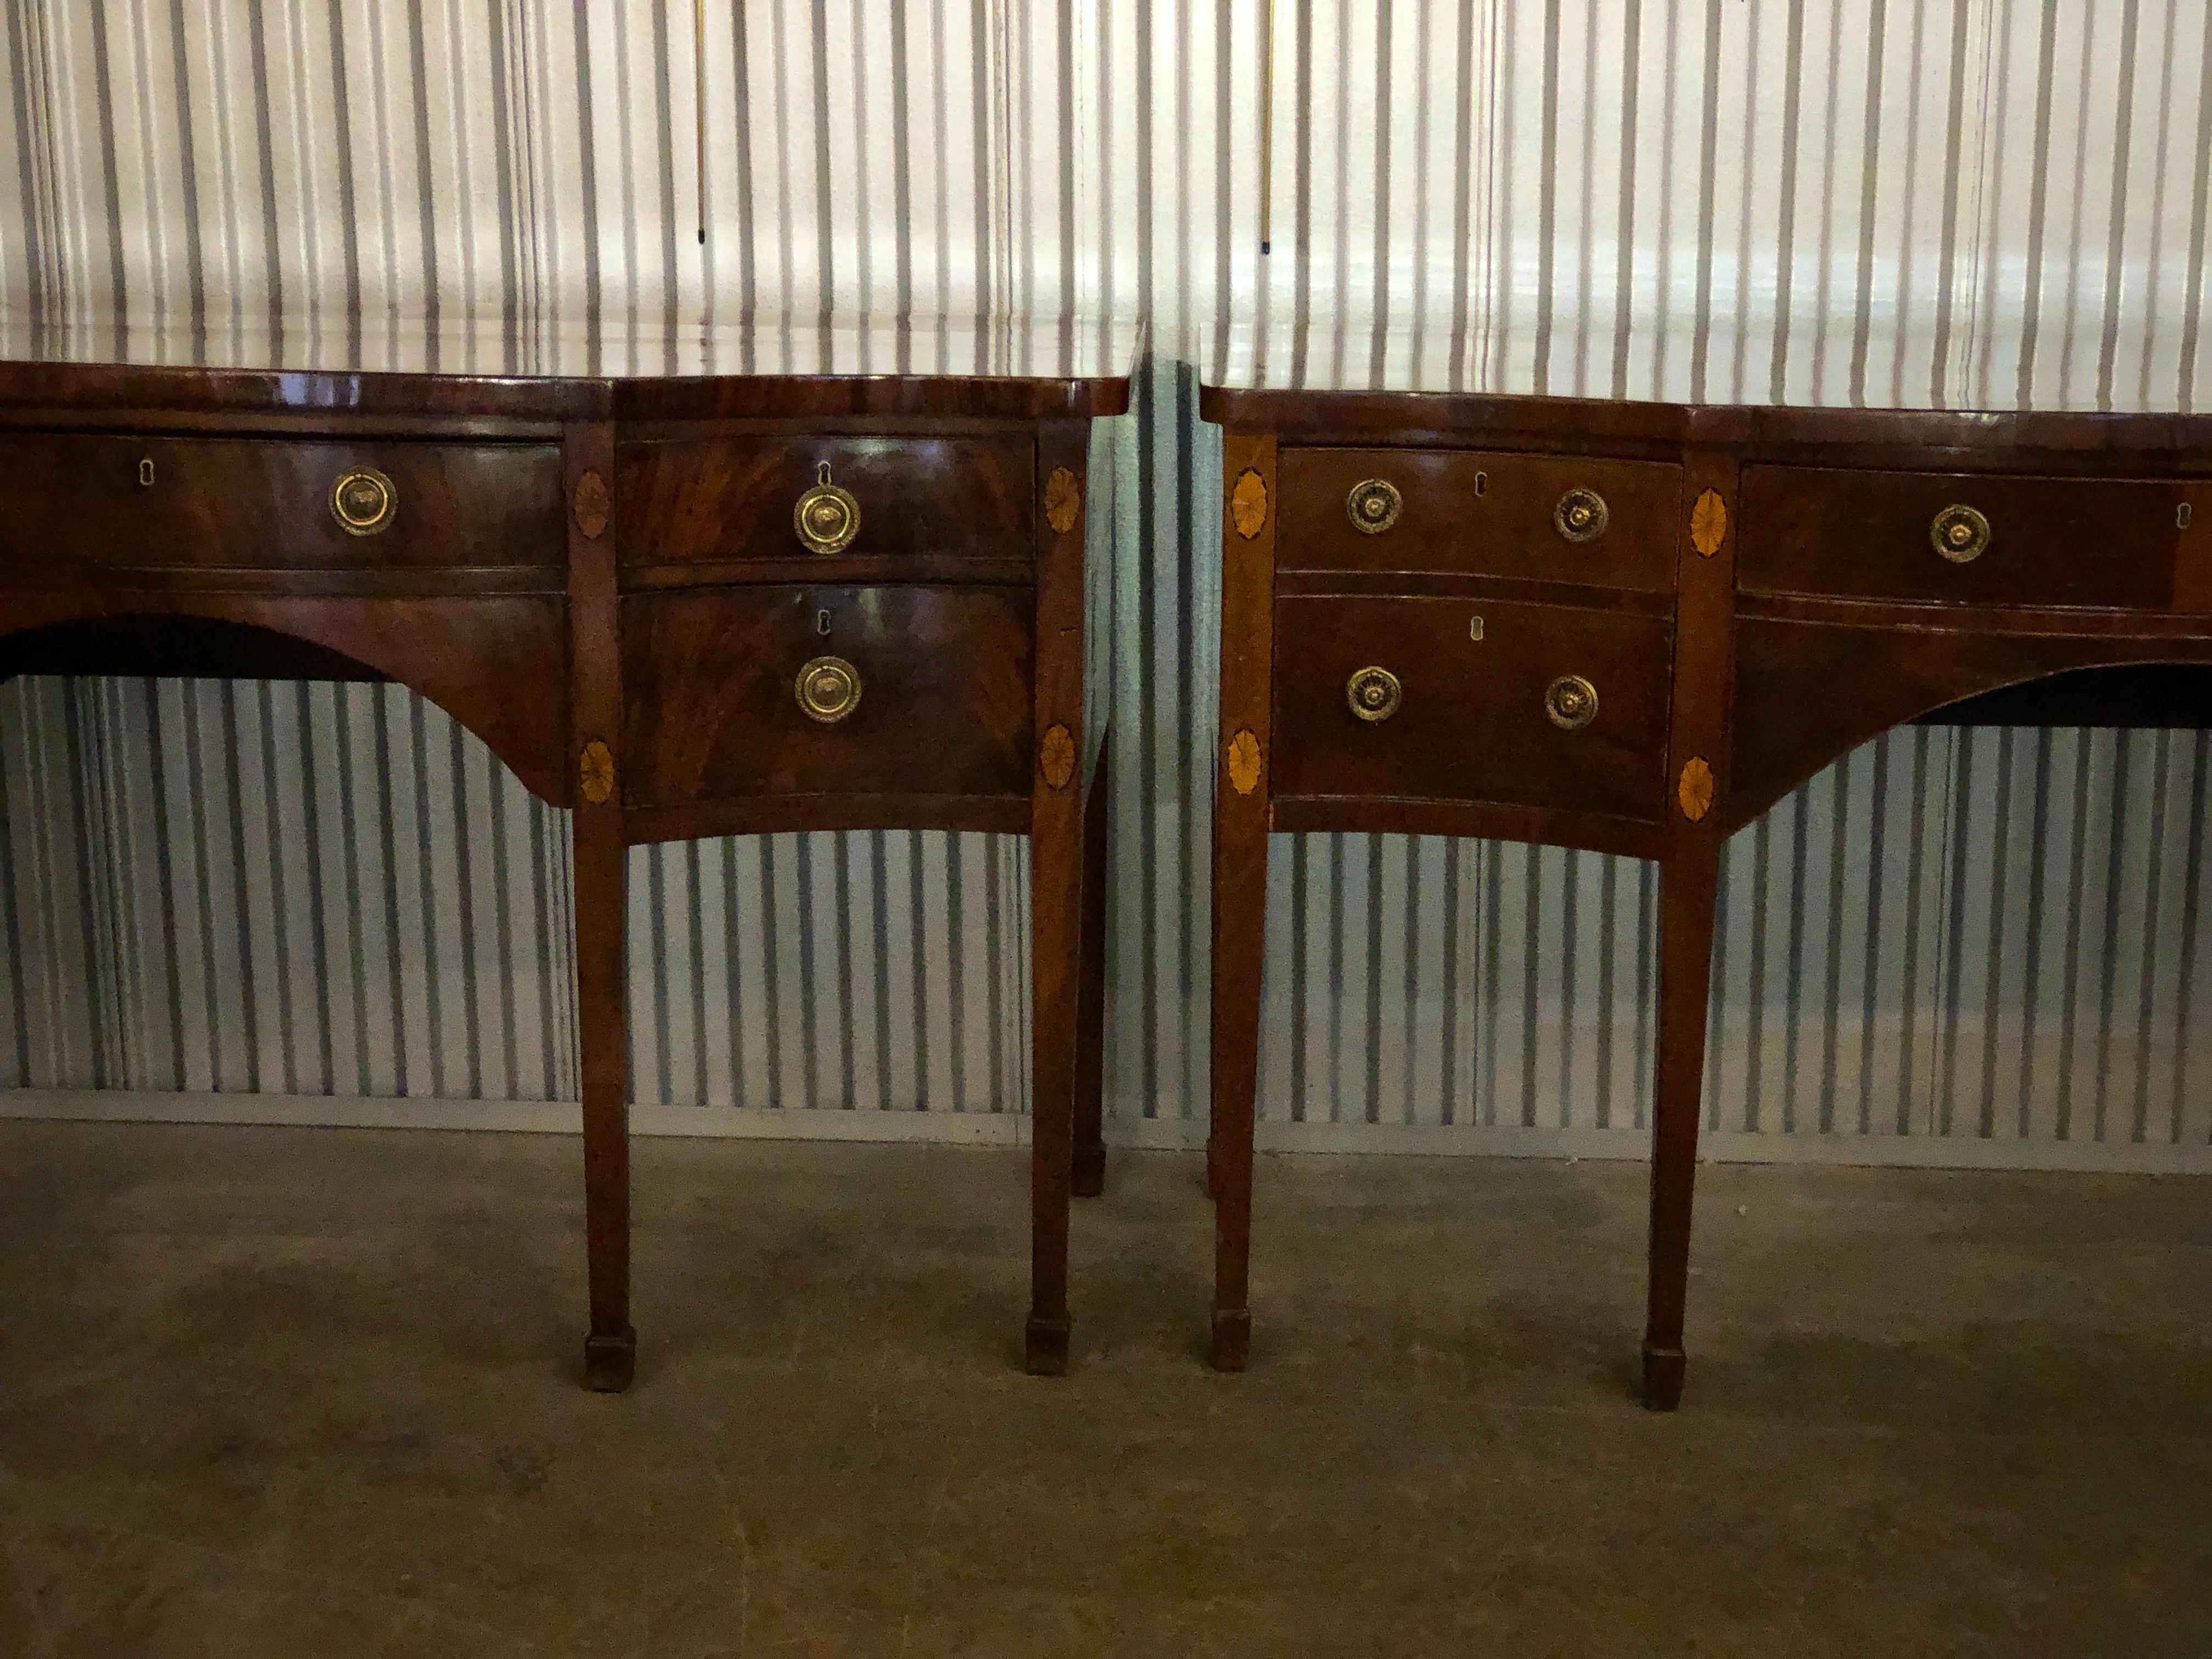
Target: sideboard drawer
column 715, row 681
column 1550, row 518
column 704, row 501
column 279, row 503
column 1964, row 538
column 1552, row 706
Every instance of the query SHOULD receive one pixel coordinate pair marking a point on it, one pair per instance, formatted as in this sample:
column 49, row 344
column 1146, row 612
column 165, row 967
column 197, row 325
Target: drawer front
column 1482, row 514
column 268, row 503
column 1475, row 718
column 2086, row 542
column 711, row 500
column 714, row 711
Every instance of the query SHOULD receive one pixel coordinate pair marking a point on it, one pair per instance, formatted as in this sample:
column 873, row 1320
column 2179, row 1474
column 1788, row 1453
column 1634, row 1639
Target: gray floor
column 312, row 1392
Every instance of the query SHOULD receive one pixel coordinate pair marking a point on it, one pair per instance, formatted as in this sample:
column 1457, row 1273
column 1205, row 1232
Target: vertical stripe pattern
column 331, row 889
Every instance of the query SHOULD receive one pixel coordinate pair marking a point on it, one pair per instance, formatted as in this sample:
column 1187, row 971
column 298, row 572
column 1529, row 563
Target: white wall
column 1986, row 203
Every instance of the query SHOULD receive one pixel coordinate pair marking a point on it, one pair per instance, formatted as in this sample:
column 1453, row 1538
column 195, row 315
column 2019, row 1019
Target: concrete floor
column 307, row 1392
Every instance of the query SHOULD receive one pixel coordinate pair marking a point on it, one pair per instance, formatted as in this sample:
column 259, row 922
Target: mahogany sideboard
column 1632, row 628
column 680, row 602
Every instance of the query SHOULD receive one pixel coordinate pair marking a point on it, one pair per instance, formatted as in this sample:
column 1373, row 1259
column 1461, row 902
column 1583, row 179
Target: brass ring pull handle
column 1374, row 505
column 1373, row 694
column 1959, row 533
column 828, row 690
column 827, row 518
column 364, row 501
column 1581, row 515
column 1570, row 700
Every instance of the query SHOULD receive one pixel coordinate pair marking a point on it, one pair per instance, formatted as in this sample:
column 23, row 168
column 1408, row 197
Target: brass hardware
column 1056, row 756
column 1581, row 515
column 2182, row 515
column 1482, row 484
column 1248, row 504
column 827, row 518
column 593, row 506
column 1959, row 534
column 1063, row 501
column 1709, row 524
column 1695, row 791
column 363, row 501
column 1374, row 505
column 827, row 688
column 595, row 771
column 146, row 474
column 1572, row 702
column 1244, row 762
column 1474, row 628
column 822, row 623
column 1373, row 694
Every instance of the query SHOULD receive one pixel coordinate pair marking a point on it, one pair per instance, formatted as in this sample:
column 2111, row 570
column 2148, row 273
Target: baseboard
column 310, row 1111
column 1173, row 1135
column 537, row 1117
column 1959, row 1152
column 1167, row 1135
column 958, row 1128
column 1715, row 1146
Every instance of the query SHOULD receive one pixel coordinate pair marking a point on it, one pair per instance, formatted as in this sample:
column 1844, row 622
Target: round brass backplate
column 1959, row 533
column 1374, row 505
column 828, row 690
column 827, row 518
column 363, row 501
column 1373, row 694
column 1572, row 702
column 1581, row 515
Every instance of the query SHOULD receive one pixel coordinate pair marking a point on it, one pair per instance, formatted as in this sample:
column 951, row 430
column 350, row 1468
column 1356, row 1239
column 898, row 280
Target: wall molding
column 1157, row 1135
column 504, row 1116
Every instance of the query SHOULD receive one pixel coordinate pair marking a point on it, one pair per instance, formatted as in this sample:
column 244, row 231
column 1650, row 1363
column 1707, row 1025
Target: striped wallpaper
column 1981, row 936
